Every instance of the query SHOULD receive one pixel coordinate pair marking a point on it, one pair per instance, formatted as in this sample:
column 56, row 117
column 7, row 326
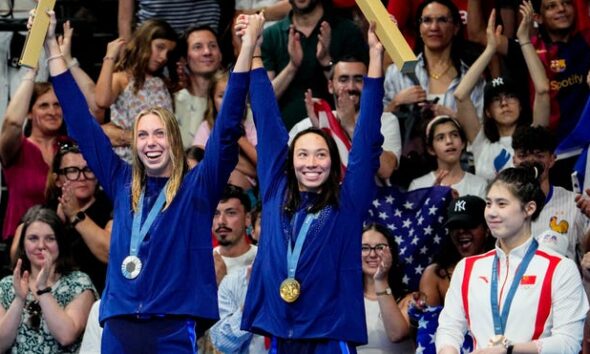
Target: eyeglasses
column 508, row 97
column 34, row 311
column 440, row 20
column 73, row 173
column 378, row 248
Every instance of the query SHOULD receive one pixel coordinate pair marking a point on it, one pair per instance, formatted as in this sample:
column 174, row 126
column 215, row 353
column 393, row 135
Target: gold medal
column 497, row 341
column 290, row 290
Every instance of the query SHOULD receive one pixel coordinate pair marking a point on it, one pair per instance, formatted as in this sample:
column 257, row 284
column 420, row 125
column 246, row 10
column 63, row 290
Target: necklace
column 439, row 75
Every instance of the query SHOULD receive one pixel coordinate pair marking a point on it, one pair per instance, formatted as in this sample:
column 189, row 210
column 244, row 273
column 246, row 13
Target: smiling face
column 348, row 79
column 46, row 114
column 160, row 49
column 373, row 240
column 469, row 241
column 437, row 28
column 203, row 55
column 39, row 238
column 557, row 15
column 447, row 144
column 311, row 162
column 153, row 146
column 84, row 184
column 507, row 217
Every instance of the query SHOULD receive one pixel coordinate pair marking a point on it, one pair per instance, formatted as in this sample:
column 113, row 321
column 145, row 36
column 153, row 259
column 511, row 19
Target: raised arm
column 281, row 82
column 466, row 111
column 110, row 84
column 16, row 113
column 367, row 140
column 125, row 18
column 82, row 126
column 84, row 81
column 542, row 102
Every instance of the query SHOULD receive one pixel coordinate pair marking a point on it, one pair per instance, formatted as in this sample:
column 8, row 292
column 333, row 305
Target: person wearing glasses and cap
column 72, row 191
column 45, row 303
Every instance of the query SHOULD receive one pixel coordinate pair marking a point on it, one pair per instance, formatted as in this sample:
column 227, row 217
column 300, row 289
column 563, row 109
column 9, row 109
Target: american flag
column 416, row 221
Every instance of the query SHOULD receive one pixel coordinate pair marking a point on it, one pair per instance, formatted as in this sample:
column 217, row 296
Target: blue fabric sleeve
column 221, row 151
column 363, row 161
column 83, row 128
column 272, row 135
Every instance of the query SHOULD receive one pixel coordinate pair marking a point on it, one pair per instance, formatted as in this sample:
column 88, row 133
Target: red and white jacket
column 549, row 305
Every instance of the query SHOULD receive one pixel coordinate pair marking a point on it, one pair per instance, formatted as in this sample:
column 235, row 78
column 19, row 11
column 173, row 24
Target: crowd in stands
column 262, row 178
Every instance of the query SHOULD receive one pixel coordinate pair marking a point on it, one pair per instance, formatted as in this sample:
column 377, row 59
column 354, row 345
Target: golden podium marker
column 390, row 36
column 36, row 35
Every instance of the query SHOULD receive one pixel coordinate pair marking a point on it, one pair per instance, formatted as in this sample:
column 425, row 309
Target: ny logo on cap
column 497, row 82
column 460, row 206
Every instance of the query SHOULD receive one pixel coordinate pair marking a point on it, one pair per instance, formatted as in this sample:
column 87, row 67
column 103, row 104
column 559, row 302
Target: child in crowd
column 244, row 175
column 446, row 141
column 539, row 293
column 132, row 81
column 504, row 107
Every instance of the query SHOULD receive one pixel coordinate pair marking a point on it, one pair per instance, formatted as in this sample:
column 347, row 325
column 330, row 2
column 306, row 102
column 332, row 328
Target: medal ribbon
column 293, row 253
column 138, row 232
column 500, row 320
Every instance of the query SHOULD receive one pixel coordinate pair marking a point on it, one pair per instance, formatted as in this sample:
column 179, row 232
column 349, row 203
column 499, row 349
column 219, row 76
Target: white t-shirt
column 469, row 185
column 235, row 263
column 379, row 343
column 189, row 111
column 491, row 158
column 392, row 140
column 561, row 215
column 93, row 332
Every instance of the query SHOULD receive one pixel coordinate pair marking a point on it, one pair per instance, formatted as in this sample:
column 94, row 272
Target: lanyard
column 500, row 320
column 138, row 231
column 293, row 253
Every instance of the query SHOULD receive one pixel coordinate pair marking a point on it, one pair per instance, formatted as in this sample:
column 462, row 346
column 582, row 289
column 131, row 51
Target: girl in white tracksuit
column 548, row 307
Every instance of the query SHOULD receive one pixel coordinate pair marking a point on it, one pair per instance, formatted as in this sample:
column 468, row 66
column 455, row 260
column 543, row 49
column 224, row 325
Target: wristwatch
column 509, row 349
column 327, row 68
column 384, row 292
column 80, row 216
column 44, row 291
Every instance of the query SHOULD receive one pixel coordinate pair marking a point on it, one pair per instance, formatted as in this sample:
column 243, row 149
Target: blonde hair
column 211, row 112
column 179, row 165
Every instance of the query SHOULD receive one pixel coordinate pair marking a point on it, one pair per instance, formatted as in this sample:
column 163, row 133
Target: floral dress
column 33, row 336
column 128, row 104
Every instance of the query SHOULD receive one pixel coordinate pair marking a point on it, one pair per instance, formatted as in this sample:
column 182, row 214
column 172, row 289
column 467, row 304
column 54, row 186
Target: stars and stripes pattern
column 416, row 221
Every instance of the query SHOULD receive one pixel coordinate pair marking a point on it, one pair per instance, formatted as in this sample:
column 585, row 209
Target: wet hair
column 63, row 263
column 529, row 139
column 138, row 51
column 395, row 274
column 523, row 183
column 457, row 42
column 330, row 190
column 439, row 120
column 177, row 157
column 235, row 192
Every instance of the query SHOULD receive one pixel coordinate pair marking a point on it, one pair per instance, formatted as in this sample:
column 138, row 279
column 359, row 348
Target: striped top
column 181, row 14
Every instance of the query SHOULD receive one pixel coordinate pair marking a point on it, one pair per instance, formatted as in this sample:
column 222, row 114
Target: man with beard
column 346, row 84
column 231, row 219
column 203, row 59
column 299, row 50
